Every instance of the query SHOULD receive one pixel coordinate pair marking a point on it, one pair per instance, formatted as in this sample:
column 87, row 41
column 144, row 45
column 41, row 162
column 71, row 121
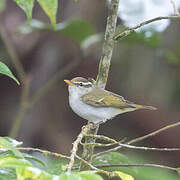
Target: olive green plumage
column 102, row 98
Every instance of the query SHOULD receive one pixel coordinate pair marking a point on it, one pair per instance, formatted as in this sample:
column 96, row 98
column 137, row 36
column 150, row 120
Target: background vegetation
column 144, row 69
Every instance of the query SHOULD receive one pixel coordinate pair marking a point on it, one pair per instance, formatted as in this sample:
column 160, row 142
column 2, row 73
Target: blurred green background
column 144, row 70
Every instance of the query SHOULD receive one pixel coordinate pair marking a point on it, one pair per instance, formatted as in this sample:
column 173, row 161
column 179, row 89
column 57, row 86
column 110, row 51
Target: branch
column 109, row 174
column 45, row 152
column 153, row 133
column 108, row 45
column 105, row 138
column 113, row 142
column 24, row 106
column 136, row 165
column 87, row 163
column 130, row 30
column 131, row 147
column 104, row 66
column 76, row 143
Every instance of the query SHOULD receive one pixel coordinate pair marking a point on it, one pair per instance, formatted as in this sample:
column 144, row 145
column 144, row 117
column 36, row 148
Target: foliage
column 19, row 165
column 50, row 8
column 15, row 164
column 12, row 159
column 6, row 71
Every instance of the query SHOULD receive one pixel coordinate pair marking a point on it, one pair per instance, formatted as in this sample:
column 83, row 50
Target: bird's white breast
column 88, row 112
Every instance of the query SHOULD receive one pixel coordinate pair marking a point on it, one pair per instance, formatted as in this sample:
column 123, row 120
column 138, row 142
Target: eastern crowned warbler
column 95, row 104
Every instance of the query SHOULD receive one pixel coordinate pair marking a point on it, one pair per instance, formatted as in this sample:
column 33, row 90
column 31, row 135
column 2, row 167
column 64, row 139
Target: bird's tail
column 145, row 107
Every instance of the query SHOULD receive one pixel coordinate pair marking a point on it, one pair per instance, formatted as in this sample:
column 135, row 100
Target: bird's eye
column 80, row 84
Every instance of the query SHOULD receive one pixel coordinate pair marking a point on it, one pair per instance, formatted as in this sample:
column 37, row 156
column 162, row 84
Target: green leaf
column 178, row 171
column 13, row 142
column 5, row 144
column 54, row 165
column 33, row 158
column 6, row 71
column 151, row 173
column 34, row 173
column 77, row 30
column 7, row 173
column 123, row 176
column 13, row 162
column 115, row 158
column 27, row 6
column 70, row 176
column 2, row 5
column 90, row 175
column 50, row 8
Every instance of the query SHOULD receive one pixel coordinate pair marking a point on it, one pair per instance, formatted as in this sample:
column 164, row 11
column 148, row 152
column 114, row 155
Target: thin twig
column 45, row 152
column 135, row 141
column 153, row 133
column 76, row 143
column 109, row 174
column 133, row 147
column 100, row 144
column 136, row 165
column 105, row 138
column 87, row 163
column 148, row 148
column 130, row 30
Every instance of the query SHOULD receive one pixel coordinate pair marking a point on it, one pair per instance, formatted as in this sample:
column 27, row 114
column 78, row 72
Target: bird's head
column 79, row 86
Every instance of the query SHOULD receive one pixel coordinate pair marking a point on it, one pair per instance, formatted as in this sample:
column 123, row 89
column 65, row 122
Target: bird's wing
column 102, row 98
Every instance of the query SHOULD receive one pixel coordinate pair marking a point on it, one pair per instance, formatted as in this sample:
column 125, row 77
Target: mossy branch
column 104, row 66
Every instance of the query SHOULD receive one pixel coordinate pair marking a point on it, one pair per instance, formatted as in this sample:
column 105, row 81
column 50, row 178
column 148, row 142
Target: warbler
column 96, row 104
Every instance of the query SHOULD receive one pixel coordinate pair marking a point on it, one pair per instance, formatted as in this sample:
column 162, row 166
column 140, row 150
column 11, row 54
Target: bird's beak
column 69, row 82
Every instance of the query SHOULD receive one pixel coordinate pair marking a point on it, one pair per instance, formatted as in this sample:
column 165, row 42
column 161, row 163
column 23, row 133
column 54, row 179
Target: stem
column 153, row 133
column 130, row 30
column 88, row 150
column 104, row 66
column 136, row 165
column 135, row 141
column 24, row 106
column 45, row 152
column 108, row 45
column 23, row 79
column 76, row 143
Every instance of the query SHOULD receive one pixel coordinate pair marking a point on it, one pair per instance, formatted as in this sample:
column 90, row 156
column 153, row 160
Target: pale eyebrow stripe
column 86, row 84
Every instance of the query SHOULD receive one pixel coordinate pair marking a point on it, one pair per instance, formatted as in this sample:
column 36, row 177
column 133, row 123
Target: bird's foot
column 96, row 123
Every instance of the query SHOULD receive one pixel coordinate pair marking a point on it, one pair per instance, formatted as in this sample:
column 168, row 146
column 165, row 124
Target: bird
column 96, row 104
